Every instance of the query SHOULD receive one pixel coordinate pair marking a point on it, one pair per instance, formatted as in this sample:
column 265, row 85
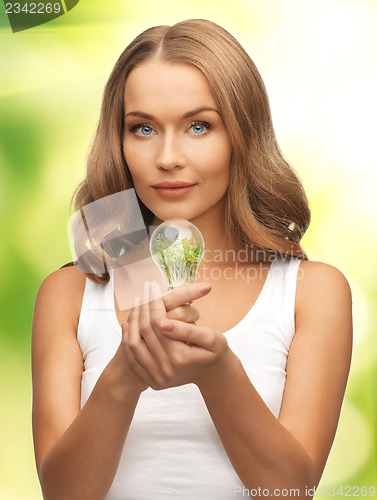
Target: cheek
column 132, row 165
column 223, row 154
column 221, row 165
column 126, row 156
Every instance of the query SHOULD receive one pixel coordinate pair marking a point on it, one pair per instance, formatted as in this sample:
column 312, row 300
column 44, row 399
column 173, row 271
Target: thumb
column 189, row 333
column 124, row 332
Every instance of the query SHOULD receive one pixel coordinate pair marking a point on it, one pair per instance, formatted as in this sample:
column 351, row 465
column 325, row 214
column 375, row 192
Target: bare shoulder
column 320, row 284
column 316, row 272
column 66, row 277
column 61, row 291
column 323, row 313
column 323, row 307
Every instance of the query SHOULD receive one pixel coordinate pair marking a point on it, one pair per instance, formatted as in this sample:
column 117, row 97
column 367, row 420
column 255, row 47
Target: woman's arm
column 77, row 452
column 290, row 452
column 267, row 453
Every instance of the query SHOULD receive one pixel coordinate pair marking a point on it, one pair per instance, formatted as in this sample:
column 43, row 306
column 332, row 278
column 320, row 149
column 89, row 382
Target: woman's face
column 175, row 143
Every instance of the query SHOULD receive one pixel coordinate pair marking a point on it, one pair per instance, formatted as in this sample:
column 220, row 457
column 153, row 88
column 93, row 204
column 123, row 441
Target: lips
column 173, row 184
column 173, row 189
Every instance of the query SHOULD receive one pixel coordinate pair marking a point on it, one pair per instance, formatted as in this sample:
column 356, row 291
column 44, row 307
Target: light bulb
column 177, row 247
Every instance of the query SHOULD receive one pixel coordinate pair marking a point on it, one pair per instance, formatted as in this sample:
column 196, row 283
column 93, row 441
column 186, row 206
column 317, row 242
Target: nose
column 170, row 153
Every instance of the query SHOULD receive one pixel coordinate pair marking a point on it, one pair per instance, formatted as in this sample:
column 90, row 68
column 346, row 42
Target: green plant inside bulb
column 177, row 247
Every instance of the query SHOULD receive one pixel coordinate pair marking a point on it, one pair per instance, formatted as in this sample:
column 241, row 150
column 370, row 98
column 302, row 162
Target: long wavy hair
column 266, row 206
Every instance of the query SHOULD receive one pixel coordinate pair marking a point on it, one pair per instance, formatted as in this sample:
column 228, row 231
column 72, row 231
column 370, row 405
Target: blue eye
column 200, row 128
column 142, row 129
column 146, row 130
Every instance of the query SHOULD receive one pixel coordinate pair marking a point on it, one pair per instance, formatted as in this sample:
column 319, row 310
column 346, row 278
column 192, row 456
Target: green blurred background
column 318, row 60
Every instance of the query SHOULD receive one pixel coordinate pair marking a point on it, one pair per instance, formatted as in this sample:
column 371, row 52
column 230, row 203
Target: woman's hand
column 165, row 352
column 178, row 301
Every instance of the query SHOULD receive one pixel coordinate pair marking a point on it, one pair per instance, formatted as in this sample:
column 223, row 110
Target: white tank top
column 172, row 448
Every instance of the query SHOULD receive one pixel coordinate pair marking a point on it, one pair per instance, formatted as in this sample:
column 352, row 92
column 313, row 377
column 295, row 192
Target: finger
column 136, row 367
column 144, row 366
column 192, row 334
column 185, row 294
column 144, row 306
column 152, row 311
column 157, row 305
column 136, row 343
column 186, row 313
column 133, row 317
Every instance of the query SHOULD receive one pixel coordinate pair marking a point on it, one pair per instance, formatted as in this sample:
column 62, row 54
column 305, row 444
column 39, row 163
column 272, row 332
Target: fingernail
column 136, row 301
column 205, row 288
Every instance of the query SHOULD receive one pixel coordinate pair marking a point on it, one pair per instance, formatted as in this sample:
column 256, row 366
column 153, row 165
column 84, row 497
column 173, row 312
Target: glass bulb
column 177, row 247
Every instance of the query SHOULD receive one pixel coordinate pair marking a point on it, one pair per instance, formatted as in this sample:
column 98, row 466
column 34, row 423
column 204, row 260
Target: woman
column 238, row 394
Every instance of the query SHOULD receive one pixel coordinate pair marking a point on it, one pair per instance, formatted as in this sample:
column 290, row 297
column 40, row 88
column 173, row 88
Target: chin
column 175, row 213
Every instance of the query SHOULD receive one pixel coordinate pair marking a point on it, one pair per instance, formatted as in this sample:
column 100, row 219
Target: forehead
column 162, row 85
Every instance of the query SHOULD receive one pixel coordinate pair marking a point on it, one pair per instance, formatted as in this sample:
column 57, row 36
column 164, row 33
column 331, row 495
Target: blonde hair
column 266, row 206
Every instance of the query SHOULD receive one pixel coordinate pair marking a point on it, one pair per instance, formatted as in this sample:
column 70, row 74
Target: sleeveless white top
column 172, row 448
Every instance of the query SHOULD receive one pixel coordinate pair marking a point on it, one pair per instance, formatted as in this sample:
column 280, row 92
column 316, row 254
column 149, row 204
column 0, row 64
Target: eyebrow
column 189, row 114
